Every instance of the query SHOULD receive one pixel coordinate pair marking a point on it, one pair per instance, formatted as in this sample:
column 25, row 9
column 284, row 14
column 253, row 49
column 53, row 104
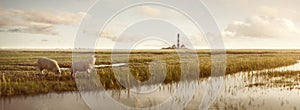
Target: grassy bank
column 19, row 75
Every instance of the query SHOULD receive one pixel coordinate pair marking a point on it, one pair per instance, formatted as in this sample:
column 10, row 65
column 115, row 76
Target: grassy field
column 19, row 75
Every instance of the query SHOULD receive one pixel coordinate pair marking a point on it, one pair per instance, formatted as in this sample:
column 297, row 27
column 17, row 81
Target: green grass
column 19, row 75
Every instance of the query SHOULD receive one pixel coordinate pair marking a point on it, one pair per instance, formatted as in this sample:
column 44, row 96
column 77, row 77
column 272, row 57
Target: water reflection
column 234, row 95
column 237, row 95
column 51, row 101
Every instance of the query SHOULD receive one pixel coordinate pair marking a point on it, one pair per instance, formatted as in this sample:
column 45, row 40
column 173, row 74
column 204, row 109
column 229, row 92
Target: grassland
column 19, row 75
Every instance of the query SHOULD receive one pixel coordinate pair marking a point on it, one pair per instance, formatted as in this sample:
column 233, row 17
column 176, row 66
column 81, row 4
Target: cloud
column 289, row 13
column 32, row 28
column 36, row 22
column 64, row 18
column 292, row 14
column 262, row 26
column 6, row 22
column 150, row 11
column 269, row 11
column 44, row 40
column 110, row 34
column 158, row 12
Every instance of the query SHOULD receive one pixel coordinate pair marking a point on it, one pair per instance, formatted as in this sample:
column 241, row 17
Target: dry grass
column 19, row 76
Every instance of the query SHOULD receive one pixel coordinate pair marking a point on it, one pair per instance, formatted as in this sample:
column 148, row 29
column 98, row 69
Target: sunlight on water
column 100, row 66
column 113, row 65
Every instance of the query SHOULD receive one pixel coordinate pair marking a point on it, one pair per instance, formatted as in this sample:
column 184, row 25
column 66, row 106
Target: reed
column 19, row 75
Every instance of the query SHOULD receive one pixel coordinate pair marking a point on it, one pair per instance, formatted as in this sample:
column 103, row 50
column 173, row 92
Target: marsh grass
column 279, row 79
column 19, row 75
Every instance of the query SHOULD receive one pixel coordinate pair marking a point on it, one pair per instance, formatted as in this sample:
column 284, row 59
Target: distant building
column 178, row 46
column 182, row 46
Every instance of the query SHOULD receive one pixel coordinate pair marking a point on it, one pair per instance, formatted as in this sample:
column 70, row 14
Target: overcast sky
column 257, row 24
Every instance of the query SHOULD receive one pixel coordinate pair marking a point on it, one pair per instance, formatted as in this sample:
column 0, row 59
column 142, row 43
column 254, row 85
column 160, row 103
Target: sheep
column 48, row 64
column 83, row 66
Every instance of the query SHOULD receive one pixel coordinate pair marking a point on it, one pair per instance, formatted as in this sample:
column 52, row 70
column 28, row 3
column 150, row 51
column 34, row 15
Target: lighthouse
column 178, row 44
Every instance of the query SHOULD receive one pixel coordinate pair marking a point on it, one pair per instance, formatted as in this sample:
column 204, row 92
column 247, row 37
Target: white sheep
column 83, row 66
column 48, row 64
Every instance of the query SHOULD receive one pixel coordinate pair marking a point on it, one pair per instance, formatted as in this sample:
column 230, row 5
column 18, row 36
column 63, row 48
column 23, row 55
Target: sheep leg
column 73, row 73
column 40, row 70
column 47, row 73
column 89, row 72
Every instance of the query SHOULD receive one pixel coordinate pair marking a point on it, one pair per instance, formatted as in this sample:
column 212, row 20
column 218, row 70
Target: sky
column 243, row 24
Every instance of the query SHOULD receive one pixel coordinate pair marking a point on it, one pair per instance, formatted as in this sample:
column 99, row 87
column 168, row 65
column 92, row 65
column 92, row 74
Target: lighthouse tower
column 178, row 45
